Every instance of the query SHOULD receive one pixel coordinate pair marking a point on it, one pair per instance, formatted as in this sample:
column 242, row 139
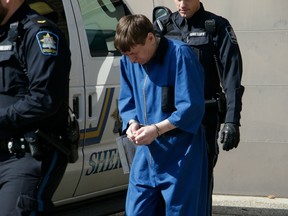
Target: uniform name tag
column 197, row 34
column 5, row 47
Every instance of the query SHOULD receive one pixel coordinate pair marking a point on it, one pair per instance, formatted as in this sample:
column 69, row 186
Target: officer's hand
column 230, row 136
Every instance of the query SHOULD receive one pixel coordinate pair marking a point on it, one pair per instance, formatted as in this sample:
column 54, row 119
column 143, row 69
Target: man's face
column 187, row 8
column 143, row 53
column 3, row 12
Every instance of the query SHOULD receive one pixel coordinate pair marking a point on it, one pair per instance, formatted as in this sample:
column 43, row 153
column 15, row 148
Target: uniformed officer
column 214, row 41
column 34, row 85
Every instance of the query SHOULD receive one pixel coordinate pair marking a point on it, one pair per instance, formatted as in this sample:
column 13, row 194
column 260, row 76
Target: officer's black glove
column 230, row 136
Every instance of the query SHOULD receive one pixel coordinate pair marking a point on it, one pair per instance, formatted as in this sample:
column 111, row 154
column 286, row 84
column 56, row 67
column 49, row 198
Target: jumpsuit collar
column 159, row 56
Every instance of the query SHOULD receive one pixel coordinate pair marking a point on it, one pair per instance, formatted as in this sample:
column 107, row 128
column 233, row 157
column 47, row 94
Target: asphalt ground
column 223, row 205
column 249, row 206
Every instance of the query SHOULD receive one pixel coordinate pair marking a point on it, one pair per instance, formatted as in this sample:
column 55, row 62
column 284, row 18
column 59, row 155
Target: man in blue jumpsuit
column 161, row 103
column 214, row 42
column 34, row 85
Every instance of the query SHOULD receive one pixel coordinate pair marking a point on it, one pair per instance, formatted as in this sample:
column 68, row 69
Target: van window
column 100, row 18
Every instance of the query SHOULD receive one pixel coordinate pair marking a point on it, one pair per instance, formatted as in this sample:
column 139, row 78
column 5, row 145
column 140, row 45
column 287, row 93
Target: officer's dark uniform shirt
column 227, row 51
column 33, row 94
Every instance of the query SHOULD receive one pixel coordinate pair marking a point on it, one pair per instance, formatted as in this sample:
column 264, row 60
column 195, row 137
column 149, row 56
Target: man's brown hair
column 132, row 30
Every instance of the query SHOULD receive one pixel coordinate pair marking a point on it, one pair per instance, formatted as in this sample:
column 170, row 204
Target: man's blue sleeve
column 126, row 103
column 189, row 92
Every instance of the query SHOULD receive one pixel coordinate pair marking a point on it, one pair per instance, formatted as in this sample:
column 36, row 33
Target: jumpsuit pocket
column 167, row 100
column 8, row 72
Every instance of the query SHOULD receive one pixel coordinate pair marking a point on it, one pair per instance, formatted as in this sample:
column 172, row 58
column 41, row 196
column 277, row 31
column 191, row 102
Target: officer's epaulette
column 37, row 20
column 40, row 21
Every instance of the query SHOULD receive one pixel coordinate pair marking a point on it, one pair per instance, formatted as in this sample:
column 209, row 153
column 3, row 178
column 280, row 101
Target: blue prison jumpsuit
column 173, row 168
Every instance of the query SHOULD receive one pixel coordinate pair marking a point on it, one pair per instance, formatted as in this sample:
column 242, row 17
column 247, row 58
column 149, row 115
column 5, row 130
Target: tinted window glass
column 100, row 18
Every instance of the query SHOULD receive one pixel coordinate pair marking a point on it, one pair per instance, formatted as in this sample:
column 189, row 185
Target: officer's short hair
column 132, row 30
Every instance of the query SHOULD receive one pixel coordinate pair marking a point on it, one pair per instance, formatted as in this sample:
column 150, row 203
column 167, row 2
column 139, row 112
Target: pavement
column 226, row 205
column 223, row 205
column 249, row 206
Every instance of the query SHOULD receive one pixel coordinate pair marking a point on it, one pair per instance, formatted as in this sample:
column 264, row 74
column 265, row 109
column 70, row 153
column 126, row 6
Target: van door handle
column 90, row 106
column 76, row 106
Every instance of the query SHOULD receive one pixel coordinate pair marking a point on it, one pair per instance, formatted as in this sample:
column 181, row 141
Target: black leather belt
column 4, row 146
column 211, row 102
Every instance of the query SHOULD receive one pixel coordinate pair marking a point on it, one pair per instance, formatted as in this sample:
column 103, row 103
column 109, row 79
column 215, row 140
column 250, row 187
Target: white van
column 89, row 26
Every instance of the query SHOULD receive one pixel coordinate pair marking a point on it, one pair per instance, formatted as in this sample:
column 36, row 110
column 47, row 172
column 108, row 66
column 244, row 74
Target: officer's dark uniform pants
column 27, row 185
column 212, row 127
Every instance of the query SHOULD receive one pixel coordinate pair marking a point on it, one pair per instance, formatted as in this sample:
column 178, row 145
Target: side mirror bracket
column 160, row 11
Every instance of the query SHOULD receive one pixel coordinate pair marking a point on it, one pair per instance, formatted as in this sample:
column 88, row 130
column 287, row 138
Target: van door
column 96, row 21
column 62, row 14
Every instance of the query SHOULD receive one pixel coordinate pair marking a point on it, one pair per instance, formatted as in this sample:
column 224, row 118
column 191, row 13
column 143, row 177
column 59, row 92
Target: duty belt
column 13, row 146
column 211, row 102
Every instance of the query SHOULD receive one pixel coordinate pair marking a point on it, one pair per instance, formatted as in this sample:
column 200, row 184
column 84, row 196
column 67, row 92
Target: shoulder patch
column 231, row 35
column 48, row 42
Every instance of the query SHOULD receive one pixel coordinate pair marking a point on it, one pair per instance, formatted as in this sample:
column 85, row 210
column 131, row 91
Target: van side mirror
column 160, row 11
